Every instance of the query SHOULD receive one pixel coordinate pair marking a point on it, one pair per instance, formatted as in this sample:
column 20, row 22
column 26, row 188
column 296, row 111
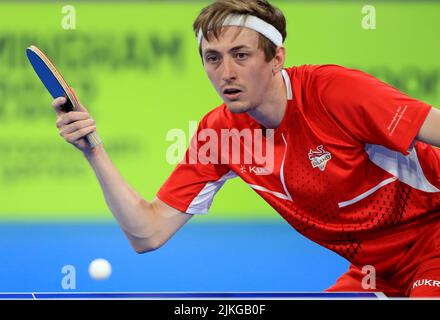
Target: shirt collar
column 286, row 79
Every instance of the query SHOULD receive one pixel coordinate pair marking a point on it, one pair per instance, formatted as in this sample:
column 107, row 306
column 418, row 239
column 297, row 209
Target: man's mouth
column 232, row 93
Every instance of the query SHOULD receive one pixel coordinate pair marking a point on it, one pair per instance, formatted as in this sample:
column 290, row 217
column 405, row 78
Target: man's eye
column 242, row 55
column 212, row 59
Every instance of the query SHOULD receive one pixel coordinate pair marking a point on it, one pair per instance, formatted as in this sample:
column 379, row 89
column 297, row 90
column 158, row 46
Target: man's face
column 237, row 68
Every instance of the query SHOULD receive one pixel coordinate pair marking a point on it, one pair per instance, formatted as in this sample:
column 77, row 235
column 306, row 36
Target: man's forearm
column 133, row 213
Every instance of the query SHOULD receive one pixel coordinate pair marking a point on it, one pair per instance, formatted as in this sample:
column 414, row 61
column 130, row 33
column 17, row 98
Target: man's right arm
column 147, row 225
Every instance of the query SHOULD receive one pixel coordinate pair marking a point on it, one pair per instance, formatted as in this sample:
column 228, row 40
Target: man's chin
column 237, row 107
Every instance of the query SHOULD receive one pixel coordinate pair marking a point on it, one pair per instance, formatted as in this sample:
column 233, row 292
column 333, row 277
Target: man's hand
column 74, row 126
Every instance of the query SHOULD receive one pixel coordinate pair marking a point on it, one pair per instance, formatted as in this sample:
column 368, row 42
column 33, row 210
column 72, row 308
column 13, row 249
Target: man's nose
column 229, row 73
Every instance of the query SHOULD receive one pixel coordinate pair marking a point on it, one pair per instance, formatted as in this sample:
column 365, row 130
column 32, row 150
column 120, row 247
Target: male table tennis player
column 355, row 167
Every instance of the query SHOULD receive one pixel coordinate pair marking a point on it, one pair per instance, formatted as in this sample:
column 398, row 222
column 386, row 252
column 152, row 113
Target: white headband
column 254, row 23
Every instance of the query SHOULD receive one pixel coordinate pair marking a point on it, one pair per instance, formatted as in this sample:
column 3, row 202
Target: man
column 354, row 168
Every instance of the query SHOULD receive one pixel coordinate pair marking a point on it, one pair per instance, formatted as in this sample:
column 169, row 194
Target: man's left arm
column 430, row 130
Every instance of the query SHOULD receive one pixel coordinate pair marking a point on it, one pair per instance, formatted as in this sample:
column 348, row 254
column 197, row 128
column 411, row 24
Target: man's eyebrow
column 239, row 48
column 212, row 51
column 234, row 49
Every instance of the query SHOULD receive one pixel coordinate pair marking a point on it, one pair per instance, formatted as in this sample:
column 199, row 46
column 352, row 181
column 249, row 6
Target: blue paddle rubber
column 54, row 86
column 45, row 74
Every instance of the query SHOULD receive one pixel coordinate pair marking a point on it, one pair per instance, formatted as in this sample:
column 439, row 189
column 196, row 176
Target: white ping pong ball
column 100, row 269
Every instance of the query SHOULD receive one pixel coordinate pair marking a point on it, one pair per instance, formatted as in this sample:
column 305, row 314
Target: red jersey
column 348, row 171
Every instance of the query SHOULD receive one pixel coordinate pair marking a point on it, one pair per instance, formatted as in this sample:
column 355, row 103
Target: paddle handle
column 93, row 139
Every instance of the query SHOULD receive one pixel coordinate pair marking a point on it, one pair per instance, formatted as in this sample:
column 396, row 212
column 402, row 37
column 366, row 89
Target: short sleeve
column 368, row 109
column 192, row 185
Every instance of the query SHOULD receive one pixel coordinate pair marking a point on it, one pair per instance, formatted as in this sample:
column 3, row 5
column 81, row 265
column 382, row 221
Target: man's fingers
column 58, row 103
column 73, row 125
column 75, row 136
column 77, row 125
column 67, row 118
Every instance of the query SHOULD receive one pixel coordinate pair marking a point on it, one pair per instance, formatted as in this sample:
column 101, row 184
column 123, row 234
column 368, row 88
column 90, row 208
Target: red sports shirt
column 348, row 172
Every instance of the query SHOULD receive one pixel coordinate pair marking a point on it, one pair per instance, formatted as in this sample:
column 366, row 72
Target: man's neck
column 271, row 112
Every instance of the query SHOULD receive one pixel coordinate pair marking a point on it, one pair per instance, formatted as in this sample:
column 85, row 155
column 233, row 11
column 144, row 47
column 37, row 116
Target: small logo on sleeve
column 396, row 119
column 319, row 158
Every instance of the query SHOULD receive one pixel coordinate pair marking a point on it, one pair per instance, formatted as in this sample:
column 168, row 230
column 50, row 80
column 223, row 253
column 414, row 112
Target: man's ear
column 279, row 60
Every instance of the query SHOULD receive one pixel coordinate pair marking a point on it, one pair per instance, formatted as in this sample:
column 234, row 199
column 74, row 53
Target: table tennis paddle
column 56, row 85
